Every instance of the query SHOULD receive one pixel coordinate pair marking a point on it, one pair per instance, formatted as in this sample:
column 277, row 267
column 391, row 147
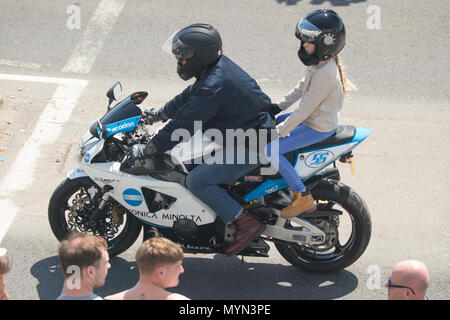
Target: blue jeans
column 301, row 136
column 204, row 179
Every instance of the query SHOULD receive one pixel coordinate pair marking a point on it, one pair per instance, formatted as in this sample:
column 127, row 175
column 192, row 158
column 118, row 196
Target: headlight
column 83, row 154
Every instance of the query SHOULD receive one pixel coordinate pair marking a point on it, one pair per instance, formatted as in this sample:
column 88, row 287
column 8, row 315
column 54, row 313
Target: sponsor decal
column 253, row 178
column 318, row 158
column 181, row 216
column 299, row 237
column 165, row 216
column 144, row 214
column 106, row 181
column 273, row 189
column 133, row 197
column 87, row 157
column 123, row 126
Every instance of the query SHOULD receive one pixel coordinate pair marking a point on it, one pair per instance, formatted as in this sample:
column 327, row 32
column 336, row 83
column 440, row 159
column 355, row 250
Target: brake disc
column 330, row 227
column 82, row 208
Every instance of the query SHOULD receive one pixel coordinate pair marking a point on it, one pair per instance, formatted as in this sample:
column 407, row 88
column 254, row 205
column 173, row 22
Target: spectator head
column 161, row 259
column 5, row 262
column 86, row 253
column 408, row 281
column 5, row 267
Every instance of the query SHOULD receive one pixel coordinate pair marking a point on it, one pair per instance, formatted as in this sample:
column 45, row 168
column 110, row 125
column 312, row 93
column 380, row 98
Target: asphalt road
column 395, row 54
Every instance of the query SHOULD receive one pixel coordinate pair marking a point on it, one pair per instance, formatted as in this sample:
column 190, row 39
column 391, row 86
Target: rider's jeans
column 301, row 136
column 204, row 179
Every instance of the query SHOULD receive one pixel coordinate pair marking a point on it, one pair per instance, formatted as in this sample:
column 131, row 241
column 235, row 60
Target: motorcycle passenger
column 223, row 97
column 321, row 94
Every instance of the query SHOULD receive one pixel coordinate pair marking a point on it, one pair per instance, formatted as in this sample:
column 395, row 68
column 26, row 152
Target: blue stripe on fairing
column 126, row 124
column 270, row 186
column 273, row 185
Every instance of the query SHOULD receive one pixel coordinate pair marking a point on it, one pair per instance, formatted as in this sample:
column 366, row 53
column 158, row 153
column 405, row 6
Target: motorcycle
column 114, row 196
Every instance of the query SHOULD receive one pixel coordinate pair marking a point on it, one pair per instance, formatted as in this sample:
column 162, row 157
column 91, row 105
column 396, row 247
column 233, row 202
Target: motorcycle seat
column 342, row 135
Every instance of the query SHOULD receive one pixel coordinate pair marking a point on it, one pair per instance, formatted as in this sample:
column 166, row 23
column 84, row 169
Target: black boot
column 248, row 228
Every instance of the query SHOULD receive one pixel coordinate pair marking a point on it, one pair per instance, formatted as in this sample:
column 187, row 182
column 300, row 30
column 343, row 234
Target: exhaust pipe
column 331, row 173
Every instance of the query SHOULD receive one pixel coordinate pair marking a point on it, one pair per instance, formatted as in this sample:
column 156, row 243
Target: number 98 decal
column 318, row 158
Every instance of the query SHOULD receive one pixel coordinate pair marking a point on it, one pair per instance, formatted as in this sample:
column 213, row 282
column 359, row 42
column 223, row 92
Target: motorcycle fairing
column 127, row 190
column 310, row 162
column 123, row 117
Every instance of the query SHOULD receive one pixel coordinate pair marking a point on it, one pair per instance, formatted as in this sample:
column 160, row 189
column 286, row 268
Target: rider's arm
column 293, row 96
column 203, row 106
column 171, row 108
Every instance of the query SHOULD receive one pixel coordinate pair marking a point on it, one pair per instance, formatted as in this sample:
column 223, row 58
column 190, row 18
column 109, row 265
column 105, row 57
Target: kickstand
column 242, row 260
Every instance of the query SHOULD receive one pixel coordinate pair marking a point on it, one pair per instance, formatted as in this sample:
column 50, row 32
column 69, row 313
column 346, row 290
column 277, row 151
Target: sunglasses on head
column 391, row 285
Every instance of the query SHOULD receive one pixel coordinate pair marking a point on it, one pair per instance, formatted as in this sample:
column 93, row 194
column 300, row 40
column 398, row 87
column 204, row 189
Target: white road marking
column 46, row 131
column 91, row 43
column 58, row 111
column 49, row 80
column 20, row 64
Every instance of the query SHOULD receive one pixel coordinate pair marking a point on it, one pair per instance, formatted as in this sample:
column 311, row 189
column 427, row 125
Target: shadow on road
column 220, row 278
column 334, row 3
column 122, row 275
column 230, row 279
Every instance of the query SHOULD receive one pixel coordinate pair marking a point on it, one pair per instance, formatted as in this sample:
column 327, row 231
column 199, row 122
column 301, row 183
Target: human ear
column 161, row 271
column 90, row 270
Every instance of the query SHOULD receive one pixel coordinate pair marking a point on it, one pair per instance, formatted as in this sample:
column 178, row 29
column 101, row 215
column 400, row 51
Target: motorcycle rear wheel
column 332, row 194
column 67, row 195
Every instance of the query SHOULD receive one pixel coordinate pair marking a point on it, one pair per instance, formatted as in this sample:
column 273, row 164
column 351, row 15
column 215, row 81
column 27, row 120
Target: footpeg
column 257, row 248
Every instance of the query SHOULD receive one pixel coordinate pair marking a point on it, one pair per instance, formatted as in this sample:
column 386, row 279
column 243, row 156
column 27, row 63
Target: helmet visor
column 306, row 31
column 174, row 46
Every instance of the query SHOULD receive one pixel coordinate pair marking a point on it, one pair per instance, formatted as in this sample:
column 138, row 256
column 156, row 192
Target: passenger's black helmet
column 200, row 44
column 326, row 30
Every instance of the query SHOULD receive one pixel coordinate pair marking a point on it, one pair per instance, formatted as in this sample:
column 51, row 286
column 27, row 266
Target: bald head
column 413, row 274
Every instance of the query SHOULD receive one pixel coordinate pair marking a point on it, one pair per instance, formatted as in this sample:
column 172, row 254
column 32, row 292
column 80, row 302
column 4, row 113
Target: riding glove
column 274, row 109
column 153, row 116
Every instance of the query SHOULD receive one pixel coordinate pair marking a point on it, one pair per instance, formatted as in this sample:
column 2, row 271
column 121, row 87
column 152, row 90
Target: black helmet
column 326, row 30
column 200, row 44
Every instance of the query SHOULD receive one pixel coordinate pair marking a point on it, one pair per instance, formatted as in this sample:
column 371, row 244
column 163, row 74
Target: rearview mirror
column 114, row 93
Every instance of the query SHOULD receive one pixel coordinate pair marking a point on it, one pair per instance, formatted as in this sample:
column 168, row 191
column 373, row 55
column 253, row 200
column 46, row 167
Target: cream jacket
column 321, row 98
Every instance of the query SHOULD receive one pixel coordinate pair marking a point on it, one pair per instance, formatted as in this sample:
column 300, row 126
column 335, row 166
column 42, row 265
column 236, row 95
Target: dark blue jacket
column 226, row 97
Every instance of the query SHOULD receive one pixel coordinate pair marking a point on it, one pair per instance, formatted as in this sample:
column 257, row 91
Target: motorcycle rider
column 222, row 97
column 321, row 94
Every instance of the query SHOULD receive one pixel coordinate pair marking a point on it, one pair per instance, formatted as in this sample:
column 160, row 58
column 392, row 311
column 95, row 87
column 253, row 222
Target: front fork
column 100, row 212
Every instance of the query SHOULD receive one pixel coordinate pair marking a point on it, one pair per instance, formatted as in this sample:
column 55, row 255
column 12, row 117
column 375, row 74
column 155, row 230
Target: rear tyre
column 342, row 253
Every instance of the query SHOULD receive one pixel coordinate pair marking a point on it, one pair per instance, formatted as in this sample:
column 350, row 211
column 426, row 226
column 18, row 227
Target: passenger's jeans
column 301, row 136
column 204, row 179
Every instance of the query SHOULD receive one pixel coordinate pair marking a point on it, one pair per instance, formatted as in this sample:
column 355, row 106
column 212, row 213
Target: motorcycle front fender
column 80, row 175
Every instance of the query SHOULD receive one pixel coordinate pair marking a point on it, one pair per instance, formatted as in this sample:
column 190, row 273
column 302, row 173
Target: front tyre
column 73, row 203
column 345, row 242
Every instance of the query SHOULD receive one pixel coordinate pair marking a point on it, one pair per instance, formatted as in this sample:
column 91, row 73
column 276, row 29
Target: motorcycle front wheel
column 73, row 202
column 348, row 234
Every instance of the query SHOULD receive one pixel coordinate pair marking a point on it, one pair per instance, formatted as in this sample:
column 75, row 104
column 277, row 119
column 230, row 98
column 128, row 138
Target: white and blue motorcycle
column 115, row 196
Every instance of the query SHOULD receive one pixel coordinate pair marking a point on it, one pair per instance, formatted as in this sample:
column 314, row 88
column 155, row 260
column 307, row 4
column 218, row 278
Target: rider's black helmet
column 200, row 44
column 326, row 30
